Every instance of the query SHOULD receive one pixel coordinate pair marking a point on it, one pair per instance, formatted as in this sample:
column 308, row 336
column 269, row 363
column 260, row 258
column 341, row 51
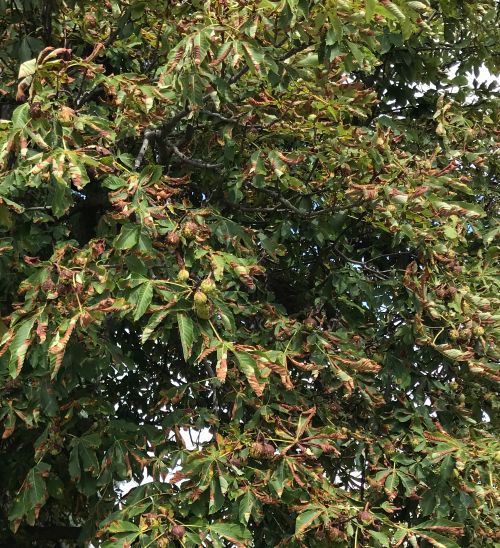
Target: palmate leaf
column 32, row 496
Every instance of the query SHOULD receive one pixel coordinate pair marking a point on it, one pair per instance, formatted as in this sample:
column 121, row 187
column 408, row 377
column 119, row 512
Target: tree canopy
column 248, row 251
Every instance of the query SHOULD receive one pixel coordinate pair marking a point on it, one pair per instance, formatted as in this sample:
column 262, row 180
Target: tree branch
column 306, row 214
column 149, row 135
column 193, row 161
column 169, row 126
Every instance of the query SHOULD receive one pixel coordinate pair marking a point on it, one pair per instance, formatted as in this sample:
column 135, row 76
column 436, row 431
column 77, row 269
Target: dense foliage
column 266, row 224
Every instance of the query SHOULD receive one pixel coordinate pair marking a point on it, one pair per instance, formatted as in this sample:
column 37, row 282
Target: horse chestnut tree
column 247, row 252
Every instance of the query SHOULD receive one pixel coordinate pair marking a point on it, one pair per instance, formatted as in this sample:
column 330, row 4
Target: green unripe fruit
column 202, row 311
column 478, row 330
column 200, row 298
column 241, row 271
column 465, row 334
column 189, row 230
column 207, row 285
column 461, row 398
column 497, row 456
column 183, row 275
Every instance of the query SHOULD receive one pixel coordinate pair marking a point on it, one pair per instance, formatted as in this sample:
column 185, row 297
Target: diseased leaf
column 305, row 520
column 221, row 367
column 231, row 531
column 245, row 508
column 18, row 347
column 119, row 526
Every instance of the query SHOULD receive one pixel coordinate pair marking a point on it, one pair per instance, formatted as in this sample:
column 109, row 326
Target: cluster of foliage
column 267, row 225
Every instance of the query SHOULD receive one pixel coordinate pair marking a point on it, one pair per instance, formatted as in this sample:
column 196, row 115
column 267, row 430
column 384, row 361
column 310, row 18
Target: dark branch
column 193, row 161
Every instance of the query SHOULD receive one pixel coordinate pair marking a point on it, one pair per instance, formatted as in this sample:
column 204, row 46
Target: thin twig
column 220, row 116
column 376, row 273
column 305, row 214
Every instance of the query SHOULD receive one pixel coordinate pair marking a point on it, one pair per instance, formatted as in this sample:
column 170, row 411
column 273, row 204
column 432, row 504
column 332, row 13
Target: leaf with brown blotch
column 58, row 346
column 221, row 367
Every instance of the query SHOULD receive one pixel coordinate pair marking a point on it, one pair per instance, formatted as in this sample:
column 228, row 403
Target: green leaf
column 74, row 464
column 119, row 526
column 61, row 197
column 394, row 10
column 450, row 232
column 381, row 538
column 19, row 346
column 216, row 500
column 248, row 366
column 32, row 495
column 247, row 502
column 253, row 57
column 231, row 531
column 186, row 332
column 124, row 540
column 305, row 520
column 278, row 479
column 128, row 237
column 144, row 298
column 370, row 6
column 20, row 116
column 356, row 52
column 153, row 323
